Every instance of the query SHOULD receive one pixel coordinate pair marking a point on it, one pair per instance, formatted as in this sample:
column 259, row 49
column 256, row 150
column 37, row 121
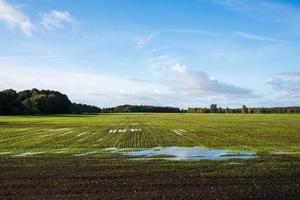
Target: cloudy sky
column 163, row 52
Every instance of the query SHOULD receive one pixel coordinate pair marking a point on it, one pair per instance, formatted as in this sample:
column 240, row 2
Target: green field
column 57, row 173
column 85, row 133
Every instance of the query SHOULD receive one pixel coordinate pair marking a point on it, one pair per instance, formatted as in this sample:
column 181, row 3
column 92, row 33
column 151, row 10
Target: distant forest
column 141, row 108
column 35, row 102
column 245, row 110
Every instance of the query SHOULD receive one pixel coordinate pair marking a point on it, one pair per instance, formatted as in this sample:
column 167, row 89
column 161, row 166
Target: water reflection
column 189, row 153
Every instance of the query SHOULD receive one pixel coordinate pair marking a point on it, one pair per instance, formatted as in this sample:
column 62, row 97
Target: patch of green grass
column 87, row 133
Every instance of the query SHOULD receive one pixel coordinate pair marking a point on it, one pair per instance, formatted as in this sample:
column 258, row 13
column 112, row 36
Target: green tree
column 244, row 109
column 213, row 108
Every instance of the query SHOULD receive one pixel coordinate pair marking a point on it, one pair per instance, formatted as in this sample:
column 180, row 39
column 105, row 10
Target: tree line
column 141, row 108
column 40, row 102
column 36, row 101
column 245, row 110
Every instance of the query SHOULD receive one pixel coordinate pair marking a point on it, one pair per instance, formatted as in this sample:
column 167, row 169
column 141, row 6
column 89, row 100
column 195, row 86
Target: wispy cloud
column 195, row 31
column 250, row 36
column 265, row 10
column 158, row 58
column 143, row 40
column 55, row 19
column 13, row 17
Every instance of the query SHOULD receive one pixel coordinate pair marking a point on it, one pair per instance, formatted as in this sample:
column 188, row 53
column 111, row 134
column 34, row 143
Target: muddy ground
column 104, row 179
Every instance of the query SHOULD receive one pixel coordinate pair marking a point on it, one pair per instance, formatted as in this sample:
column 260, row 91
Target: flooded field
column 156, row 156
column 166, row 153
column 189, row 153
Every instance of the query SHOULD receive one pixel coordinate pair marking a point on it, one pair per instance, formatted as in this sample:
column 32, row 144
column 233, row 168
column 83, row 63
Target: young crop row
column 261, row 132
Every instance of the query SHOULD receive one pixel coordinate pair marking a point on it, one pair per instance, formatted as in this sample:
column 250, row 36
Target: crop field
column 68, row 157
column 261, row 133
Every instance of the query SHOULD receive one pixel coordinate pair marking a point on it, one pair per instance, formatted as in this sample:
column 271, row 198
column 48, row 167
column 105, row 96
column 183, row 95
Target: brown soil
column 137, row 182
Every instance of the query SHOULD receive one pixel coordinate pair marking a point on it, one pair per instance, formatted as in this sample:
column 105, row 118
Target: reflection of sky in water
column 192, row 153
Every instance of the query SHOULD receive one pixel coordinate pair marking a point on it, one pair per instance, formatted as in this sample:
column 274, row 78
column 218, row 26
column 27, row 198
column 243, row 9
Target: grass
column 87, row 133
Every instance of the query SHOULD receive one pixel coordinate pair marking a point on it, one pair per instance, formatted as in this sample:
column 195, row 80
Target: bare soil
column 137, row 181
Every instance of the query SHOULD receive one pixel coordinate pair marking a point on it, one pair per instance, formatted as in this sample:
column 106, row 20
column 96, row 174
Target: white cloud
column 55, row 19
column 198, row 84
column 256, row 37
column 99, row 89
column 286, row 85
column 13, row 17
column 178, row 86
column 143, row 40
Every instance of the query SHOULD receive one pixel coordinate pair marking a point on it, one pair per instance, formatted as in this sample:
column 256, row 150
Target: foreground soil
column 113, row 179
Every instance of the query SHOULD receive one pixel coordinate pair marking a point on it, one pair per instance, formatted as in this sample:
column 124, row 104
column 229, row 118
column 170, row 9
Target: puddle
column 84, row 154
column 135, row 130
column 83, row 133
column 62, row 150
column 27, row 154
column 188, row 153
column 113, row 130
column 119, row 130
column 113, row 149
column 179, row 131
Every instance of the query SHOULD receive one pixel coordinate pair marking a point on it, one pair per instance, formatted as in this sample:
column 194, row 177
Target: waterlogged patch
column 113, row 131
column 5, row 153
column 27, row 154
column 82, row 134
column 66, row 133
column 234, row 154
column 64, row 150
column 122, row 130
column 135, row 130
column 84, row 154
column 188, row 153
column 119, row 130
column 111, row 150
column 179, row 131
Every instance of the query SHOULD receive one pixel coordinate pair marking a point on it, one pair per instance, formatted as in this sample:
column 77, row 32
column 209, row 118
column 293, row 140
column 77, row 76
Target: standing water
column 188, row 153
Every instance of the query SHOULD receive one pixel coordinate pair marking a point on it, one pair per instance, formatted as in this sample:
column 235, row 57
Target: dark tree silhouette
column 40, row 102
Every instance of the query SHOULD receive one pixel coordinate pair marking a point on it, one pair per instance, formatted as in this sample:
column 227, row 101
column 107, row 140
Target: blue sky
column 164, row 52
